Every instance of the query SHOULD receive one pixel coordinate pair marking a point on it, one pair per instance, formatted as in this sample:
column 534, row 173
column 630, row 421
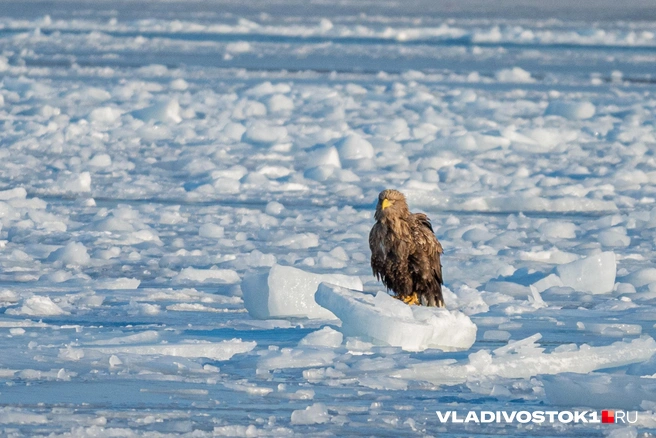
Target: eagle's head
column 391, row 203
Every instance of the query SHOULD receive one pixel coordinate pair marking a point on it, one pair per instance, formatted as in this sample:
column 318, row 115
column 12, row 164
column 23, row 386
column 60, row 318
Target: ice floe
column 389, row 321
column 285, row 291
column 594, row 274
column 524, row 358
column 221, row 351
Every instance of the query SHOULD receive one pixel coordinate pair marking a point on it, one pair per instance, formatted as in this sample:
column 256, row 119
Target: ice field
column 187, row 189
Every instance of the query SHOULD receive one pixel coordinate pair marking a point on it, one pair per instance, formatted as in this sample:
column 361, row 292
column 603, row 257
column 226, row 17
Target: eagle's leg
column 411, row 300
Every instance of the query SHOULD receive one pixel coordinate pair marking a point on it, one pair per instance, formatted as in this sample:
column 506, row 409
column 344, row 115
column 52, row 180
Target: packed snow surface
column 178, row 178
column 389, row 321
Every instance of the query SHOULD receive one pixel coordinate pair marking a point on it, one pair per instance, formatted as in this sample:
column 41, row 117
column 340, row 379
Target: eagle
column 405, row 254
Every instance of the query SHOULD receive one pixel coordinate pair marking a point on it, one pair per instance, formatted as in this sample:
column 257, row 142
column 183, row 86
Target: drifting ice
column 599, row 390
column 389, row 321
column 571, row 110
column 223, row 350
column 289, row 292
column 524, row 359
column 594, row 274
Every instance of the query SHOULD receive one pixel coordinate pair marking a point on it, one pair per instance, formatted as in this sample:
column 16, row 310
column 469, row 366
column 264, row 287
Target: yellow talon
column 411, row 300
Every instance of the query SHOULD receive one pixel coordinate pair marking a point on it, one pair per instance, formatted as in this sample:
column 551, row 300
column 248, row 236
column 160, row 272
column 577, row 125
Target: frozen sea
column 157, row 157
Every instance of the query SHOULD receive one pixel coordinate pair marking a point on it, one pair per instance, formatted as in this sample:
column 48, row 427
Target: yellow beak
column 386, row 203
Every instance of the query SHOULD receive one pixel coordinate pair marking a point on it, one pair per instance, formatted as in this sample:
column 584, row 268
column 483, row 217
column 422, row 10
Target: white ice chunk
column 558, row 230
column 211, row 231
column 77, row 183
column 280, row 102
column 545, row 283
column 468, row 300
column 296, row 358
column 535, row 299
column 315, row 414
column 641, row 277
column 299, row 241
column 136, row 338
column 166, row 111
column 104, row 115
column 238, row 47
column 179, row 84
column 354, row 147
column 496, row 335
column 598, row 390
column 617, row 329
column 261, row 133
column 122, row 283
column 100, row 160
column 285, row 291
column 57, row 276
column 571, row 110
column 74, row 253
column 267, row 88
column 8, row 296
column 38, row 306
column 614, row 237
column 594, row 274
column 246, row 109
column 250, row 431
column 389, row 321
column 323, row 157
column 234, row 131
column 528, row 362
column 515, row 74
column 274, row 208
column 17, row 193
column 223, row 350
column 225, row 276
column 326, row 337
column 11, row 415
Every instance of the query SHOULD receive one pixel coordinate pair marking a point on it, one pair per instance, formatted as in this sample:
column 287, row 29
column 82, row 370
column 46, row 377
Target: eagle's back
column 424, row 263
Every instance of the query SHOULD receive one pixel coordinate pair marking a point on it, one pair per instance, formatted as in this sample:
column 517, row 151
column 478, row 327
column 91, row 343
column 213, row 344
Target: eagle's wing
column 376, row 244
column 390, row 254
column 426, row 260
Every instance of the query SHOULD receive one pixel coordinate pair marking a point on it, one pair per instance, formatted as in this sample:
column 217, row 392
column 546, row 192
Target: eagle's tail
column 433, row 298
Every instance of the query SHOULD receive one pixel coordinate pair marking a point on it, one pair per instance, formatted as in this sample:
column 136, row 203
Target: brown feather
column 405, row 254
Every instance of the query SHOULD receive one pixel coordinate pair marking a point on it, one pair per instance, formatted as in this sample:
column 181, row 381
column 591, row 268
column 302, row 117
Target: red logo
column 608, row 416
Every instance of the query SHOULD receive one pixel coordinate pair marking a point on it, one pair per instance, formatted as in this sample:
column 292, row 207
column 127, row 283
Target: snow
column 389, row 321
column 177, row 179
column 285, row 291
